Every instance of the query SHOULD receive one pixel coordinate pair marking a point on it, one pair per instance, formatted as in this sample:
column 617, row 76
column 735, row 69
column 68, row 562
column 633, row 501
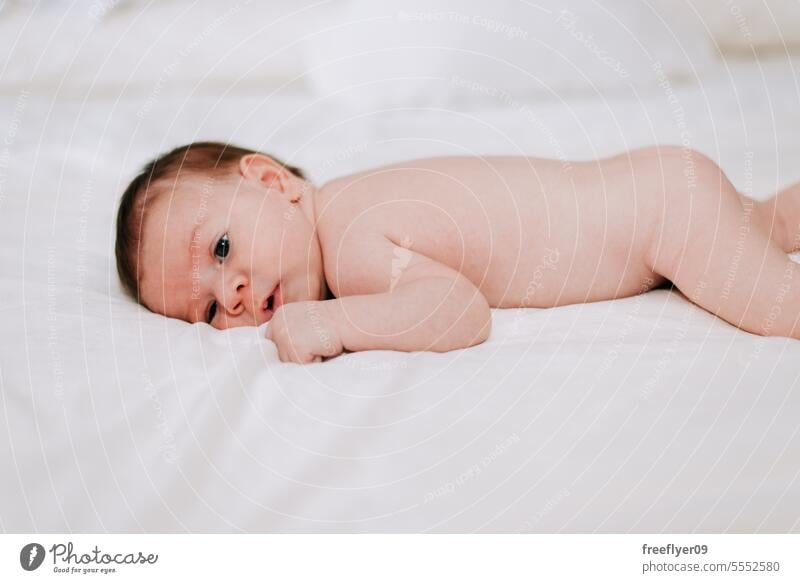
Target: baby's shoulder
column 355, row 204
column 354, row 227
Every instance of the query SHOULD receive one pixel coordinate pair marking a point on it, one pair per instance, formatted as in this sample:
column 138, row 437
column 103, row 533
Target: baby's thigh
column 713, row 251
column 696, row 212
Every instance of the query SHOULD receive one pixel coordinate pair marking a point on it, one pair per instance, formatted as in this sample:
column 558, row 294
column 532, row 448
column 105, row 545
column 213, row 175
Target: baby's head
column 211, row 232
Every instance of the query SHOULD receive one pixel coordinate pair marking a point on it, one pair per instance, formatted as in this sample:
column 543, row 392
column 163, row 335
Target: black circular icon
column 31, row 556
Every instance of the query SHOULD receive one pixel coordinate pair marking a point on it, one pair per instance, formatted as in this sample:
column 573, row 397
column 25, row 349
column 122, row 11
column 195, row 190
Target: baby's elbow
column 483, row 327
column 465, row 318
column 480, row 319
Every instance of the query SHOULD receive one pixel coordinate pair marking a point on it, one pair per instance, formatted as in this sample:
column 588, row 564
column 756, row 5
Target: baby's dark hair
column 197, row 158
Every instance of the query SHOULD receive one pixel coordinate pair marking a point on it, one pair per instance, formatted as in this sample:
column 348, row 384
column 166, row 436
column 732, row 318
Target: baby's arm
column 429, row 310
column 391, row 298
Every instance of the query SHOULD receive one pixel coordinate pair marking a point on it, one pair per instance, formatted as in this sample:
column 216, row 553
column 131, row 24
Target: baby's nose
column 233, row 299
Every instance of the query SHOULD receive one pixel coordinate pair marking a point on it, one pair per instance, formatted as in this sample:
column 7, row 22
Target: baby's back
column 525, row 231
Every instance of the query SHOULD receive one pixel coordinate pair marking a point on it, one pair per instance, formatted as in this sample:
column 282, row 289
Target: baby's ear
column 263, row 169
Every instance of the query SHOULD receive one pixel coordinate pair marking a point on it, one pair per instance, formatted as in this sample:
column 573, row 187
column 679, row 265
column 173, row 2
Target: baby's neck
column 308, row 205
column 308, row 202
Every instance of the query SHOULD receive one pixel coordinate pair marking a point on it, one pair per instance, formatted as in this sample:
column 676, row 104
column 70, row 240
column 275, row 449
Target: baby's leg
column 709, row 245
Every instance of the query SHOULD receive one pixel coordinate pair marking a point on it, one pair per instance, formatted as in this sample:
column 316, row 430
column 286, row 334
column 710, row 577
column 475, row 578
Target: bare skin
column 412, row 256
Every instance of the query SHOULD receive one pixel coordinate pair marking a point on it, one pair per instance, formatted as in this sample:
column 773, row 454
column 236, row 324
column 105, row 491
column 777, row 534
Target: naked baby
column 412, row 256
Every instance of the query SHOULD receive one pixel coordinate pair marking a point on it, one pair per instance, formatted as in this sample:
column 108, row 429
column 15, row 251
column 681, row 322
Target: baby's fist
column 303, row 332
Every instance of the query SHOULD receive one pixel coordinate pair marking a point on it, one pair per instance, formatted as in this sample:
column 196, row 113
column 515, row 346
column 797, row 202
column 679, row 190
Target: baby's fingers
column 300, row 356
column 283, row 354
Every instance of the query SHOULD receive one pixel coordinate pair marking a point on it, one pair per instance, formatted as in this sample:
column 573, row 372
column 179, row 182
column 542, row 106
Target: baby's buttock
column 587, row 234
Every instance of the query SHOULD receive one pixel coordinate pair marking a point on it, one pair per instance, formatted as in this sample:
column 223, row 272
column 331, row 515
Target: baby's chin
column 314, row 288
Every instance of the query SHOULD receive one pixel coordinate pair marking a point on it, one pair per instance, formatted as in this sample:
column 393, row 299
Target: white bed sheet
column 639, row 415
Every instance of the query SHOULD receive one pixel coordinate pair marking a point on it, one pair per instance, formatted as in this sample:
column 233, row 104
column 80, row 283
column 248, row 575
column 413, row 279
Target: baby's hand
column 303, row 332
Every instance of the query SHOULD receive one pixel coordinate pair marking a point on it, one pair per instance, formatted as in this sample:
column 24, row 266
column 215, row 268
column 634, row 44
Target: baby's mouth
column 270, row 304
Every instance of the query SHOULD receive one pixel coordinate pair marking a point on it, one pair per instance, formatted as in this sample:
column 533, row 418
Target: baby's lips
column 270, row 307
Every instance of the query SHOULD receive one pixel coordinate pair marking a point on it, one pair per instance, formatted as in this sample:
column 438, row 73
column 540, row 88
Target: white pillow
column 433, row 52
column 742, row 26
column 152, row 45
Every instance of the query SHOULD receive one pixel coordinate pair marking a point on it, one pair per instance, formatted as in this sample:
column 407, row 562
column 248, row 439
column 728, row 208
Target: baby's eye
column 223, row 247
column 212, row 311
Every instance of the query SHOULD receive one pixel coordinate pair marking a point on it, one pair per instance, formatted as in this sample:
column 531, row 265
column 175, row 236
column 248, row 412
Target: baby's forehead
column 171, row 201
column 164, row 253
column 179, row 207
column 188, row 189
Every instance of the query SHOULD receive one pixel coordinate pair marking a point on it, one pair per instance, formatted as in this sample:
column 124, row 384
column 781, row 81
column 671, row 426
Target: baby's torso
column 526, row 231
